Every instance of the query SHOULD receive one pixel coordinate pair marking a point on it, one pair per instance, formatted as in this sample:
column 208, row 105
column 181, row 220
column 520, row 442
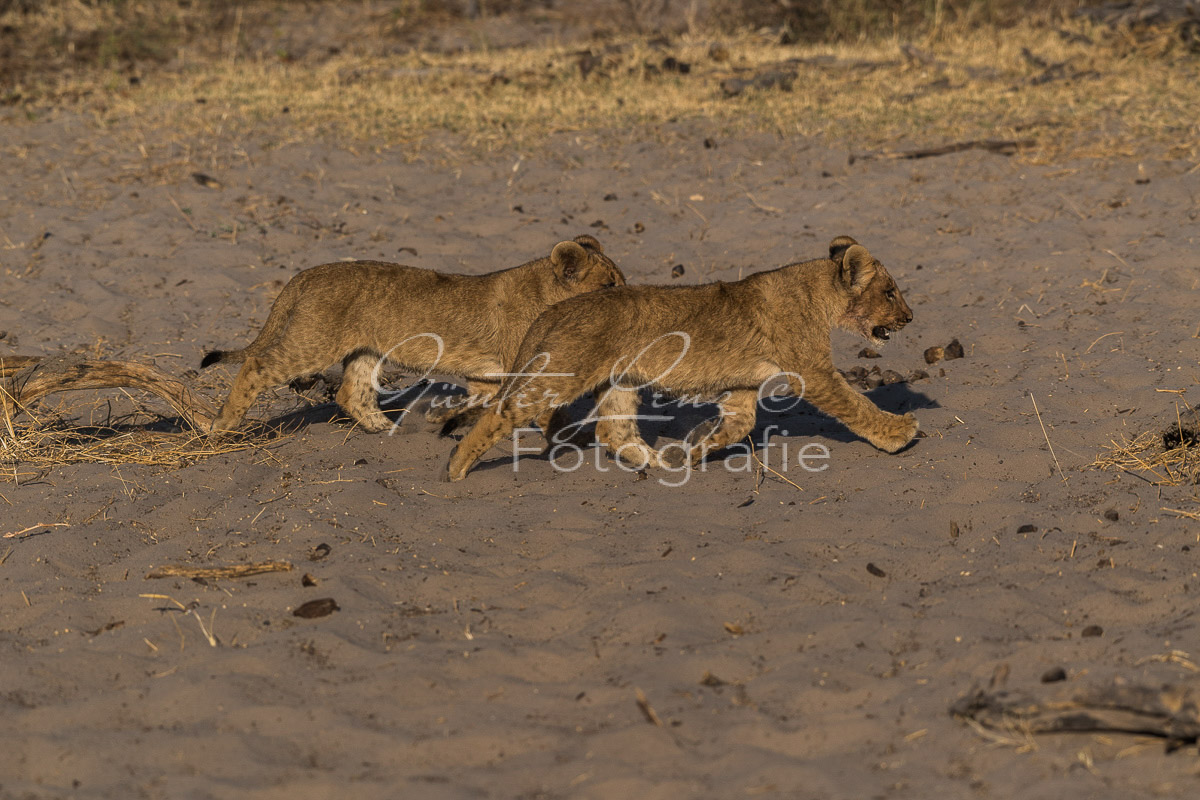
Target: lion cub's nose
column 908, row 318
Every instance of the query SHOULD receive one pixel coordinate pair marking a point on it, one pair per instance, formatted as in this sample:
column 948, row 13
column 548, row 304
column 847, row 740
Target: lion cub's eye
column 890, row 294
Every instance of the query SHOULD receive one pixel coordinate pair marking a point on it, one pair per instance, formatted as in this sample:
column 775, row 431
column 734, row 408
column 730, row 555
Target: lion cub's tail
column 217, row 356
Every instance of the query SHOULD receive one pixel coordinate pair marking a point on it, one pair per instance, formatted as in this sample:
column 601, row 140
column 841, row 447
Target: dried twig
column 220, row 573
column 23, row 531
column 1039, row 419
column 1006, row 147
column 206, row 630
column 779, row 475
column 647, row 709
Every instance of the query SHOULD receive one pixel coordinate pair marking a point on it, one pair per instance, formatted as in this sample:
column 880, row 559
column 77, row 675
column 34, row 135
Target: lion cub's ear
column 569, row 259
column 590, row 242
column 858, row 267
column 839, row 246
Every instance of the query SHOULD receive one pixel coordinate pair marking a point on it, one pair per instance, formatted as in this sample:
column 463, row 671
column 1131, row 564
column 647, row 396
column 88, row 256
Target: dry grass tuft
column 29, row 446
column 1171, row 456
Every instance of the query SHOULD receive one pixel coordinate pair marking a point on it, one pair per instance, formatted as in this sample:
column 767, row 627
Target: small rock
column 1054, row 675
column 610, row 197
column 867, row 352
column 918, row 375
column 934, row 355
column 1027, row 529
column 890, row 376
column 308, row 580
column 638, row 227
column 207, row 180
column 954, row 350
column 876, row 571
column 677, row 271
column 317, row 608
column 953, row 529
column 874, row 381
column 1092, row 630
column 1111, row 515
column 709, row 143
column 319, row 552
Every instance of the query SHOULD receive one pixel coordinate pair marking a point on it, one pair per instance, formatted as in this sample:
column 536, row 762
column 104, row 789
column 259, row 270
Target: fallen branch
column 1006, row 147
column 24, row 379
column 1149, row 708
column 220, row 573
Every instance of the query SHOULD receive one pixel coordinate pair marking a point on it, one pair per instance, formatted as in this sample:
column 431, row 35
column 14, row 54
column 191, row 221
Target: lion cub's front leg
column 828, row 391
column 617, row 428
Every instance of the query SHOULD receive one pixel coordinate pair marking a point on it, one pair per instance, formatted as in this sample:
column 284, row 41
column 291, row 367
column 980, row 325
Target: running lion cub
column 721, row 340
column 363, row 312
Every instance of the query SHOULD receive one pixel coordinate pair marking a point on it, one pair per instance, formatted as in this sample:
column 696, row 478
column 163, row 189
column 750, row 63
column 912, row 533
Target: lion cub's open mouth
column 880, row 332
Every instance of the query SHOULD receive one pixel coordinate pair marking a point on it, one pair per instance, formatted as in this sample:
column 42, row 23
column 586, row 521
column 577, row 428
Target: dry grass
column 31, row 445
column 1169, row 457
column 1102, row 96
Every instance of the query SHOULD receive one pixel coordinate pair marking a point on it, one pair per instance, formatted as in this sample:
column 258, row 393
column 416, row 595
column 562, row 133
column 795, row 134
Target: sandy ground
column 800, row 640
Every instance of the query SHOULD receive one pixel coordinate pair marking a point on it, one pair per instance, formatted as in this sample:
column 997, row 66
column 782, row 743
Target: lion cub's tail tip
column 214, row 357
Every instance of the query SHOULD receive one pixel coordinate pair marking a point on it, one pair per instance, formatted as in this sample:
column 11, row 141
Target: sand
column 533, row 632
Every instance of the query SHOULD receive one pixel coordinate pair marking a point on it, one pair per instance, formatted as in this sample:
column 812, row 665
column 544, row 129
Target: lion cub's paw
column 374, row 424
column 896, row 432
column 674, row 456
column 216, row 430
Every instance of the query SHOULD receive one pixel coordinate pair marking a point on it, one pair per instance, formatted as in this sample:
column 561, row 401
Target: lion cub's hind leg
column 738, row 414
column 256, row 376
column 493, row 426
column 359, row 393
column 501, row 419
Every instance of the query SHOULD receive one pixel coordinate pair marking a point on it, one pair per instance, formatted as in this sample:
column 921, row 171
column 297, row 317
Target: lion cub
column 720, row 340
column 363, row 312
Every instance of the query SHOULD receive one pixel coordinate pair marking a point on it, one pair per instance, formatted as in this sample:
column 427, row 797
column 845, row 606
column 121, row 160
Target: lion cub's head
column 581, row 266
column 876, row 305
